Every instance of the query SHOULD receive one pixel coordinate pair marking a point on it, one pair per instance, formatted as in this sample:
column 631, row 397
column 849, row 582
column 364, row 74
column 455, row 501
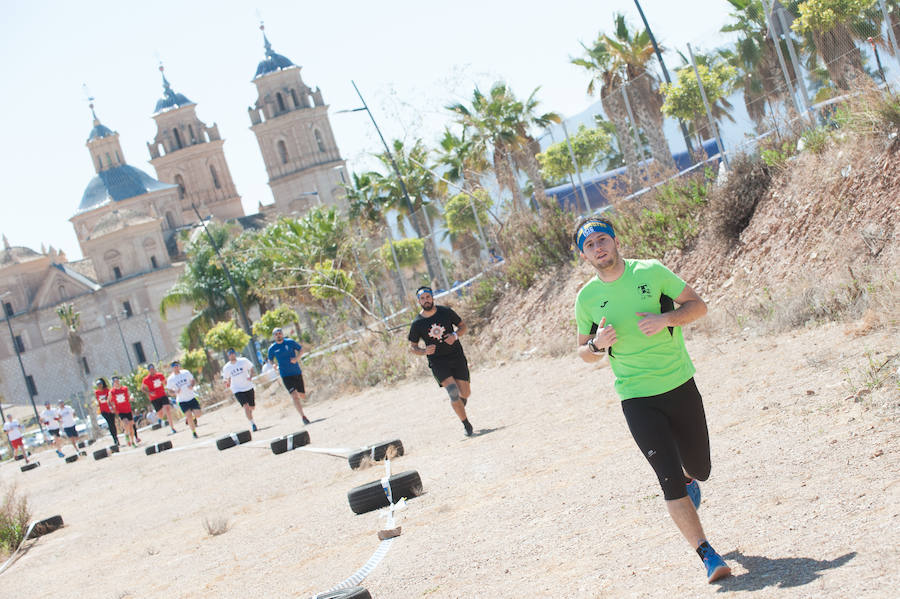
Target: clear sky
column 408, row 58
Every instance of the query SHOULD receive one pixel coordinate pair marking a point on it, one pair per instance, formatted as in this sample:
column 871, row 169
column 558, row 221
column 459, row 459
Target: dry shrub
column 216, row 526
column 374, row 359
column 731, row 206
column 14, row 518
column 532, row 241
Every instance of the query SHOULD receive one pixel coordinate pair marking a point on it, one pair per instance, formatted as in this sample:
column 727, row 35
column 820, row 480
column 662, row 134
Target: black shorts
column 159, row 403
column 71, row 432
column 294, row 382
column 53, row 431
column 455, row 366
column 125, row 415
column 191, row 404
column 246, row 398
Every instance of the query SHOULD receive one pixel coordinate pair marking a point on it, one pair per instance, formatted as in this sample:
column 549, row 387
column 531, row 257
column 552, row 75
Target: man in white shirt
column 67, row 423
column 237, row 373
column 14, row 432
column 50, row 418
column 181, row 383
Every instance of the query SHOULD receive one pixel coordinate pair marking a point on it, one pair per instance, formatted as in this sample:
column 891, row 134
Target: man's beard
column 428, row 306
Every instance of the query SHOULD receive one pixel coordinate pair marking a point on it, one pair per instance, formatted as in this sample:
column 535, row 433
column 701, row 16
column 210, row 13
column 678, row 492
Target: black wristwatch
column 594, row 349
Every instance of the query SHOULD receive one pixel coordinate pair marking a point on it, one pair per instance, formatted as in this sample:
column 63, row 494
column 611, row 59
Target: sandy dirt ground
column 550, row 499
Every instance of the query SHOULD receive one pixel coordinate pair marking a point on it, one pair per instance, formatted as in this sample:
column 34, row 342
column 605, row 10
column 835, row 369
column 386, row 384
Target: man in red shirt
column 121, row 399
column 155, row 386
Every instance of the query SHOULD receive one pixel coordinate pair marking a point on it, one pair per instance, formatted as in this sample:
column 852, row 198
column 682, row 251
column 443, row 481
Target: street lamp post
column 152, row 338
column 244, row 320
column 115, row 316
column 390, row 155
column 12, row 338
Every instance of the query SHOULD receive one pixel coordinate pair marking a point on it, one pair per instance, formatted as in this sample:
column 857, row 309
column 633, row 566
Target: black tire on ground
column 376, row 453
column 100, row 454
column 47, row 526
column 81, row 445
column 71, row 458
column 371, row 496
column 227, row 442
column 150, row 450
column 295, row 440
column 156, row 426
column 30, row 466
column 113, row 449
column 19, row 456
column 91, row 441
column 164, row 446
column 351, row 593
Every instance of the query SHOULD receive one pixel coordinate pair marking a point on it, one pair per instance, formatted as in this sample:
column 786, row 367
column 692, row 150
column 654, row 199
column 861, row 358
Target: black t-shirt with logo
column 433, row 329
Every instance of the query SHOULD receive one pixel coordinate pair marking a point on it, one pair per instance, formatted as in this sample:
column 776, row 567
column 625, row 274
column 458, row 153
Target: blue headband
column 593, row 226
column 424, row 290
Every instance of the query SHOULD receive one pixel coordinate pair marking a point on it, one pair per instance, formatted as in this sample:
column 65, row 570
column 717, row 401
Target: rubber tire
column 81, row 445
column 380, row 450
column 150, row 450
column 71, row 458
column 370, row 497
column 19, row 456
column 351, row 593
column 30, row 466
column 113, row 449
column 163, row 446
column 100, row 454
column 47, row 526
column 280, row 445
column 156, row 426
column 227, row 442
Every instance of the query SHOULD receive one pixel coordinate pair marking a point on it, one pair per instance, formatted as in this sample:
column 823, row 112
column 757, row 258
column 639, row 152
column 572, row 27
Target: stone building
column 126, row 224
column 290, row 121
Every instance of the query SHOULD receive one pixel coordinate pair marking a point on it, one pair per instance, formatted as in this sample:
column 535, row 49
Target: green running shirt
column 644, row 366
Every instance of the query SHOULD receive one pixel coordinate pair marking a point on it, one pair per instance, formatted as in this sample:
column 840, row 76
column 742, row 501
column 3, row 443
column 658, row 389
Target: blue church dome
column 117, row 184
column 99, row 131
column 272, row 62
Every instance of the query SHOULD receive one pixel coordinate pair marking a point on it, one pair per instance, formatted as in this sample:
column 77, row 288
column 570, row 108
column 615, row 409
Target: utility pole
column 237, row 298
column 12, row 338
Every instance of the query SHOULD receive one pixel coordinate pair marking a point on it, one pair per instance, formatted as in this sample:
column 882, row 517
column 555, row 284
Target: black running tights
column 670, row 429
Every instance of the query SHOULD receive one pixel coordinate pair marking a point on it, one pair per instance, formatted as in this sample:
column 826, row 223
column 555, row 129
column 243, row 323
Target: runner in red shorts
column 14, row 432
column 155, row 386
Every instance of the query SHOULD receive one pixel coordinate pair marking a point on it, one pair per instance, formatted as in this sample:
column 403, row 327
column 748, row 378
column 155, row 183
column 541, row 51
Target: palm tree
column 502, row 123
column 755, row 57
column 633, row 52
column 464, row 158
column 606, row 74
column 70, row 321
column 832, row 26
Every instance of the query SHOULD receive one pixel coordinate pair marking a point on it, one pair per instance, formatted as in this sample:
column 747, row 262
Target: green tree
column 204, row 286
column 135, row 382
column 196, row 361
column 409, row 251
column 459, row 215
column 224, row 335
column 501, row 123
column 683, row 99
column 281, row 316
column 833, row 24
column 464, row 157
column 590, row 147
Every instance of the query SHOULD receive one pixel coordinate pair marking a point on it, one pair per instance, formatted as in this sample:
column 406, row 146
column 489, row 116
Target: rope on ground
column 383, row 547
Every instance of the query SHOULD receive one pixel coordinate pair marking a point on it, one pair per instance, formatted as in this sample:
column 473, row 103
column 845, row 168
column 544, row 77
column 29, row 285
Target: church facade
column 128, row 223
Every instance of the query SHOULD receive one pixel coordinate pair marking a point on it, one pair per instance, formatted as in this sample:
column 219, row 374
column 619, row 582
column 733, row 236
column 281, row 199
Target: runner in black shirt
column 435, row 326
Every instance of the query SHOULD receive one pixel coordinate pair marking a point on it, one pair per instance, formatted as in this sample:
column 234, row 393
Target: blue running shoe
column 253, row 427
column 716, row 568
column 693, row 491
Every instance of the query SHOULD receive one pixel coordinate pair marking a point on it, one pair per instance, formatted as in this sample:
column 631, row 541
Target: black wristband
column 594, row 349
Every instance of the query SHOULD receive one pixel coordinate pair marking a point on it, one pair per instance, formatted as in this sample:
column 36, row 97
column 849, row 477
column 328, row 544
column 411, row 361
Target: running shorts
column 191, row 404
column 456, row 366
column 159, row 403
column 293, row 383
column 246, row 398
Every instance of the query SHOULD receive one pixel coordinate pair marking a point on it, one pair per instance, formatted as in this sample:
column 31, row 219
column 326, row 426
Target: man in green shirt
column 626, row 313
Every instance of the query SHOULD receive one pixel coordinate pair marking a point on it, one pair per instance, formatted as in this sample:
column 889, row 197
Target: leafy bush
column 194, row 361
column 224, row 335
column 460, row 216
column 777, row 157
column 14, row 518
column 281, row 316
column 664, row 219
column 135, row 383
column 532, row 241
column 732, row 206
column 410, row 252
column 485, row 293
column 329, row 282
column 814, row 139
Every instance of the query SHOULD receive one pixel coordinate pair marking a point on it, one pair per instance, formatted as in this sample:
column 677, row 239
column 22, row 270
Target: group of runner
column 626, row 313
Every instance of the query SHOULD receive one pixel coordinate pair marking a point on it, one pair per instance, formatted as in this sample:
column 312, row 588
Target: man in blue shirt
column 286, row 353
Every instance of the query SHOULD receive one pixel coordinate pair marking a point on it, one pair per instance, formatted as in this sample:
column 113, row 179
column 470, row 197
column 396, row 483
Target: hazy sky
column 409, row 59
